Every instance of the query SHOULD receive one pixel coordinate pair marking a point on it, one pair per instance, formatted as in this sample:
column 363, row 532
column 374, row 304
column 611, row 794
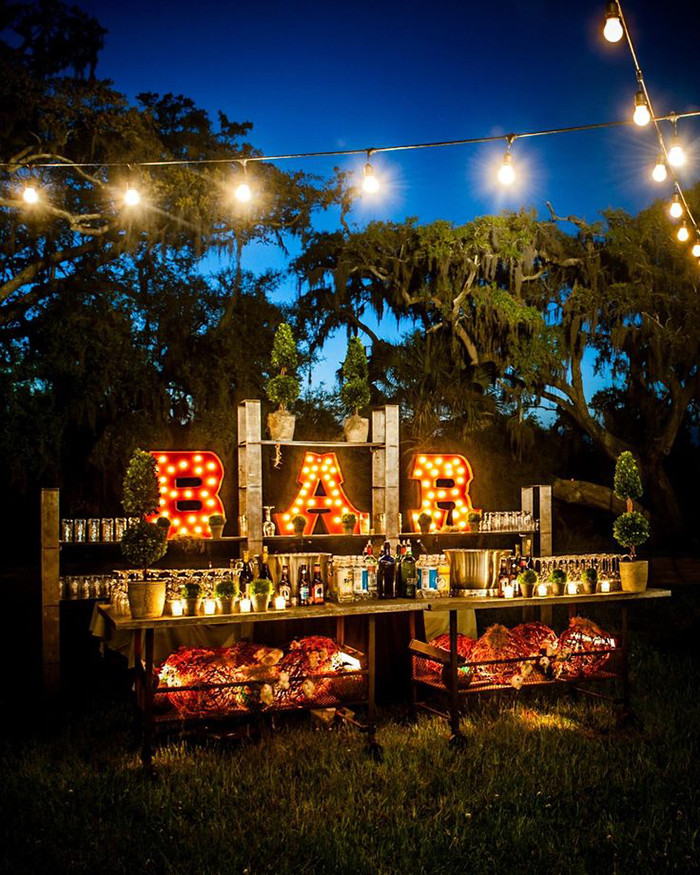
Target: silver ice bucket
column 475, row 569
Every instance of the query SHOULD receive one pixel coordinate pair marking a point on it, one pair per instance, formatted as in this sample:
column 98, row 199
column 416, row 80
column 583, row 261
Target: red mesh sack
column 497, row 642
column 577, row 649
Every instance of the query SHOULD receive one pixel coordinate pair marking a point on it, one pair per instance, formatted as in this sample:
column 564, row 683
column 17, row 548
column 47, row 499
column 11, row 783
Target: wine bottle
column 285, row 586
column 408, row 573
column 386, row 574
column 317, row 586
column 304, row 586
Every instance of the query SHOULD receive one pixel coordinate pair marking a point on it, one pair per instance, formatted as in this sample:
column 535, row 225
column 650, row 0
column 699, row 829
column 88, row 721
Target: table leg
column 627, row 715
column 374, row 749
column 456, row 738
column 340, row 630
column 147, row 739
column 414, row 686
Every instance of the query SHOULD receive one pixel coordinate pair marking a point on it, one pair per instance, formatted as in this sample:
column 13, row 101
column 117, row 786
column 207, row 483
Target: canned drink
column 67, row 530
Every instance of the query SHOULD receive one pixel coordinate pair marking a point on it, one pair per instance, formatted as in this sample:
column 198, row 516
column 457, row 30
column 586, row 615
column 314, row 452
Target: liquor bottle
column 285, row 586
column 409, row 574
column 371, row 569
column 317, row 586
column 246, row 576
column 398, row 585
column 304, row 586
column 265, row 566
column 386, row 573
column 503, row 576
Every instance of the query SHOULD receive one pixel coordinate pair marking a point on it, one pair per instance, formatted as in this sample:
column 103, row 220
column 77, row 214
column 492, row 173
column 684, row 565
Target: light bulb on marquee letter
column 443, row 480
column 188, row 499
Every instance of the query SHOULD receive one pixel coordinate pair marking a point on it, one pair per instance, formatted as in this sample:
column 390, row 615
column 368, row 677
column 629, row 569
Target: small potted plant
column 261, row 592
column 349, row 521
column 631, row 528
column 299, row 523
column 557, row 581
column 283, row 388
column 590, row 580
column 354, row 391
column 191, row 598
column 164, row 523
column 216, row 525
column 226, row 591
column 527, row 580
column 424, row 522
column 143, row 543
column 474, row 518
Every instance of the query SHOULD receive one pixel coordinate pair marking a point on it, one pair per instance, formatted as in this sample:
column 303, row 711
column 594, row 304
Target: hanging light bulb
column 613, row 31
column 676, row 154
column 683, row 233
column 132, row 198
column 370, row 183
column 30, row 195
column 506, row 172
column 676, row 208
column 243, row 192
column 659, row 173
column 642, row 116
column 696, row 249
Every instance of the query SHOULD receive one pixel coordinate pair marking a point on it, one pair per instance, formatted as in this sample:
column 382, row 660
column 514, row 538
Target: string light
column 641, row 116
column 676, row 153
column 506, row 172
column 132, row 198
column 370, row 183
column 659, row 173
column 612, row 31
column 676, row 208
column 696, row 249
column 30, row 195
column 242, row 192
column 683, row 233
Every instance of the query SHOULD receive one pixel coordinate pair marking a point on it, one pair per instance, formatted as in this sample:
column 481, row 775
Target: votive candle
column 605, row 586
column 542, row 589
column 280, row 603
column 571, row 588
column 508, row 590
column 245, row 605
column 177, row 608
column 209, row 606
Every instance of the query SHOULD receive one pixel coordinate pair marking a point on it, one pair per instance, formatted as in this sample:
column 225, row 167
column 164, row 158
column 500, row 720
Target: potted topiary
column 557, row 581
column 299, row 524
column 474, row 518
column 261, row 592
column 226, row 591
column 424, row 522
column 283, row 389
column 354, row 392
column 527, row 580
column 216, row 525
column 164, row 523
column 191, row 598
column 631, row 528
column 349, row 521
column 143, row 543
column 590, row 580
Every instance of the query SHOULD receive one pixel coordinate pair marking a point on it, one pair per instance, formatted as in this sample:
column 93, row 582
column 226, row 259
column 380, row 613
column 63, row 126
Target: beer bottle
column 304, row 586
column 285, row 586
column 317, row 586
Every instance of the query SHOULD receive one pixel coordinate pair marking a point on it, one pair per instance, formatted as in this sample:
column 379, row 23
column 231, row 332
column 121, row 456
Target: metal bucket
column 474, row 569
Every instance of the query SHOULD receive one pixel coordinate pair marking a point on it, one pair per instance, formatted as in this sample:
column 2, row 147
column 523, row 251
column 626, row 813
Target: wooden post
column 250, row 471
column 538, row 501
column 378, row 468
column 50, row 595
column 391, row 476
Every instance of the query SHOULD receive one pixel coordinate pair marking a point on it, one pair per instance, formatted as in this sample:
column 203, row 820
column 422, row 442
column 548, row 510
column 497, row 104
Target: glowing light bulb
column 659, row 173
column 242, row 192
column 676, row 154
column 370, row 183
column 612, row 31
column 132, row 198
column 506, row 172
column 641, row 116
column 30, row 195
column 676, row 208
column 683, row 233
column 696, row 250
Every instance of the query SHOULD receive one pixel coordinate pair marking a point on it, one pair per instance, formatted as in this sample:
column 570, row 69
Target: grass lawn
column 545, row 785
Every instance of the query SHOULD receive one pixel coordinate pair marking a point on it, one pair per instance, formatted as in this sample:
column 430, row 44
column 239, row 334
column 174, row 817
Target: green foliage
column 628, row 484
column 283, row 390
column 528, row 577
column 558, row 575
column 299, row 522
column 631, row 529
column 190, row 590
column 354, row 391
column 348, row 519
column 216, row 519
column 474, row 516
column 226, row 588
column 590, row 575
column 424, row 519
column 144, row 543
column 285, row 357
column 355, row 364
column 141, row 485
column 163, row 523
column 261, row 587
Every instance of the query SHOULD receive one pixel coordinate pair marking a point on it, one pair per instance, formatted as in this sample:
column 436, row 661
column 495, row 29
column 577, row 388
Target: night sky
column 318, row 76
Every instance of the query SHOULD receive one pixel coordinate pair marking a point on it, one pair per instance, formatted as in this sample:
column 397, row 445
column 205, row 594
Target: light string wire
column 331, row 153
column 672, row 117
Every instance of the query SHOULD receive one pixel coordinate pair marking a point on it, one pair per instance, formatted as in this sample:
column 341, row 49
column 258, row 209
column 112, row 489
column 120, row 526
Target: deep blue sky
column 315, row 76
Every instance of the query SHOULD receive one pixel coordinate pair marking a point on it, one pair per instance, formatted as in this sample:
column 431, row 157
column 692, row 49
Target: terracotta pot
column 634, row 576
column 146, row 599
column 356, row 429
column 260, row 602
column 216, row 532
column 281, row 425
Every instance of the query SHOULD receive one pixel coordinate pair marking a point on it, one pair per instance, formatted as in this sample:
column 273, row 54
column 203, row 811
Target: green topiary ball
column 631, row 529
column 144, row 543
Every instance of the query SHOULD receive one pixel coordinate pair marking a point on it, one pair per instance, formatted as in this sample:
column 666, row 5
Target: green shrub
column 226, row 588
column 349, row 519
column 261, row 586
column 424, row 519
column 144, row 543
column 630, row 530
column 590, row 575
column 141, row 492
column 163, row 523
column 190, row 590
column 299, row 522
column 529, row 577
column 627, row 483
column 283, row 390
column 217, row 519
column 558, row 575
column 354, row 392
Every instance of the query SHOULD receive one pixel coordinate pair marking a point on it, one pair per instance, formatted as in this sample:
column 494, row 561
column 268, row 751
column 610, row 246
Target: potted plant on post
column 143, row 543
column 217, row 522
column 349, row 521
column 354, row 392
column 261, row 591
column 283, row 389
column 226, row 591
column 631, row 528
column 424, row 522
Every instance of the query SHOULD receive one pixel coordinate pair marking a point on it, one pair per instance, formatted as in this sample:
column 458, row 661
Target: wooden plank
column 483, row 602
column 437, row 654
column 250, row 470
column 378, row 470
column 391, row 472
column 50, row 594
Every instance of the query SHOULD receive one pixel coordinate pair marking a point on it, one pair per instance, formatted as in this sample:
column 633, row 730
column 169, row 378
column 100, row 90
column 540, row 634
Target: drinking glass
column 79, row 530
column 67, row 530
column 107, row 529
column 93, row 530
column 119, row 528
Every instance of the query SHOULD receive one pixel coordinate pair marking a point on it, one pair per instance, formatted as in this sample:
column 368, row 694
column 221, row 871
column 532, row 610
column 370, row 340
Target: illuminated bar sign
column 444, row 490
column 189, row 484
column 321, row 493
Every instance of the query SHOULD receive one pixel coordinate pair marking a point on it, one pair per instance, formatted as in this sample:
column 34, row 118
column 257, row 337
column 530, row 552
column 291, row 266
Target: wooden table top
column 478, row 603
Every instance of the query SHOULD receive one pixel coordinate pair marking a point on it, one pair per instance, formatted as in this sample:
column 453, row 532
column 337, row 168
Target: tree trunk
column 668, row 515
column 591, row 495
